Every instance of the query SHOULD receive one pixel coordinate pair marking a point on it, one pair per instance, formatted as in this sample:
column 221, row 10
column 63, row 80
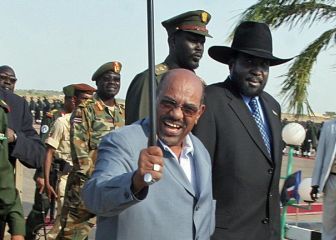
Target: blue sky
column 54, row 43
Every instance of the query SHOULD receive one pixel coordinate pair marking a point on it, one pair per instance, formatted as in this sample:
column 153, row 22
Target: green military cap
column 192, row 21
column 114, row 66
column 69, row 91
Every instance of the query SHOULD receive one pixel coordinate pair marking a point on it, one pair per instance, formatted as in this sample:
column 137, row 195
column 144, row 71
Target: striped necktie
column 257, row 117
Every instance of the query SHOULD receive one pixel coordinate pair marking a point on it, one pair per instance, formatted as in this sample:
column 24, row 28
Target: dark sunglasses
column 188, row 110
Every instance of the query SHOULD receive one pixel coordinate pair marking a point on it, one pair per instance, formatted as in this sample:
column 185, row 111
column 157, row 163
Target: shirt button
column 265, row 221
column 270, row 171
column 270, row 195
column 197, row 208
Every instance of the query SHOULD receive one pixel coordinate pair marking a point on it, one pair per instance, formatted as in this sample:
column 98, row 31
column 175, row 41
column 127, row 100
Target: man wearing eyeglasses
column 179, row 205
column 7, row 78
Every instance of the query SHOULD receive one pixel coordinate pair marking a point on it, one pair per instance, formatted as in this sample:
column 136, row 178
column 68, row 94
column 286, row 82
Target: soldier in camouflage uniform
column 58, row 149
column 41, row 203
column 186, row 38
column 89, row 123
column 11, row 211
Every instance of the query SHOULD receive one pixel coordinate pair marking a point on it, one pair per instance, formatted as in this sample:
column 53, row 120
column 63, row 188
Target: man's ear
column 231, row 64
column 171, row 41
column 200, row 112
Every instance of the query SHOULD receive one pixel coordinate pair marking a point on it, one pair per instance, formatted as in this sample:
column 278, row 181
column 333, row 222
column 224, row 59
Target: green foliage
column 330, row 114
column 39, row 93
column 291, row 13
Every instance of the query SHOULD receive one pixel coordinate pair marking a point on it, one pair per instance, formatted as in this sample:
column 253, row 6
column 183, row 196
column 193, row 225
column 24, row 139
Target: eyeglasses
column 188, row 110
column 5, row 77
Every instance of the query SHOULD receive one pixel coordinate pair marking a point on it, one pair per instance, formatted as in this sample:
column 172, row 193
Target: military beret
column 69, row 91
column 83, row 87
column 114, row 66
column 192, row 21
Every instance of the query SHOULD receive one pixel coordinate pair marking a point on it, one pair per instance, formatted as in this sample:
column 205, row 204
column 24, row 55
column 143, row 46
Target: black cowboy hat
column 252, row 38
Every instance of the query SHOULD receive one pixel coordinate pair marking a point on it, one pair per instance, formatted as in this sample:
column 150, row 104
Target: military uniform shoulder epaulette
column 120, row 104
column 161, row 69
column 51, row 113
column 4, row 105
column 86, row 103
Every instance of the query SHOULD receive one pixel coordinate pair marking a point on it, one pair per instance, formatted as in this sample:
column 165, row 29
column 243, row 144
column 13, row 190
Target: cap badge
column 116, row 67
column 204, row 17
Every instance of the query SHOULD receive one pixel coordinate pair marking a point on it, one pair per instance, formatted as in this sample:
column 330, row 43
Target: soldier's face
column 178, row 108
column 108, row 85
column 7, row 80
column 69, row 104
column 188, row 49
column 249, row 74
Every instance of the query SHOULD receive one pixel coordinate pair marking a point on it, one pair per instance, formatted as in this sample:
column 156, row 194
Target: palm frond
column 276, row 12
column 294, row 88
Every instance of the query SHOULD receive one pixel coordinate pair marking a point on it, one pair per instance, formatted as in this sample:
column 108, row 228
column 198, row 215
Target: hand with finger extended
column 150, row 161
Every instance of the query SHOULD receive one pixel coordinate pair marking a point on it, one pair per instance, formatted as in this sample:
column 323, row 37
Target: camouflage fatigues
column 89, row 123
column 11, row 211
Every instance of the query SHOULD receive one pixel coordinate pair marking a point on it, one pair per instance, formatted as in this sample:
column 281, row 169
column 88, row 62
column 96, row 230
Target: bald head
column 181, row 76
column 179, row 105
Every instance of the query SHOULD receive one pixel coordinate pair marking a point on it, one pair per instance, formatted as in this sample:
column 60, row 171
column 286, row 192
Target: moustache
column 171, row 120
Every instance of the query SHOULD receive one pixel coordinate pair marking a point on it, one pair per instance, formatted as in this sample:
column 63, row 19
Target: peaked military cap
column 192, row 21
column 114, row 66
column 69, row 91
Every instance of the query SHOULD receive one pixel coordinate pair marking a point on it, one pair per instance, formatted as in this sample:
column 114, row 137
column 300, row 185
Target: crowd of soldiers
column 93, row 113
column 40, row 107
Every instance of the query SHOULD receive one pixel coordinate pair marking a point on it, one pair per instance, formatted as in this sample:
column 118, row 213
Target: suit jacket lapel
column 273, row 123
column 243, row 113
column 174, row 169
column 202, row 169
column 171, row 165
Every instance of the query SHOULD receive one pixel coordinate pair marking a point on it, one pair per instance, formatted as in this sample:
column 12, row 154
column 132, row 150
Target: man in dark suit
column 241, row 129
column 24, row 142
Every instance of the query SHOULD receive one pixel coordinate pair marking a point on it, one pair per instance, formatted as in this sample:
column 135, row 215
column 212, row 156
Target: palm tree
column 277, row 13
